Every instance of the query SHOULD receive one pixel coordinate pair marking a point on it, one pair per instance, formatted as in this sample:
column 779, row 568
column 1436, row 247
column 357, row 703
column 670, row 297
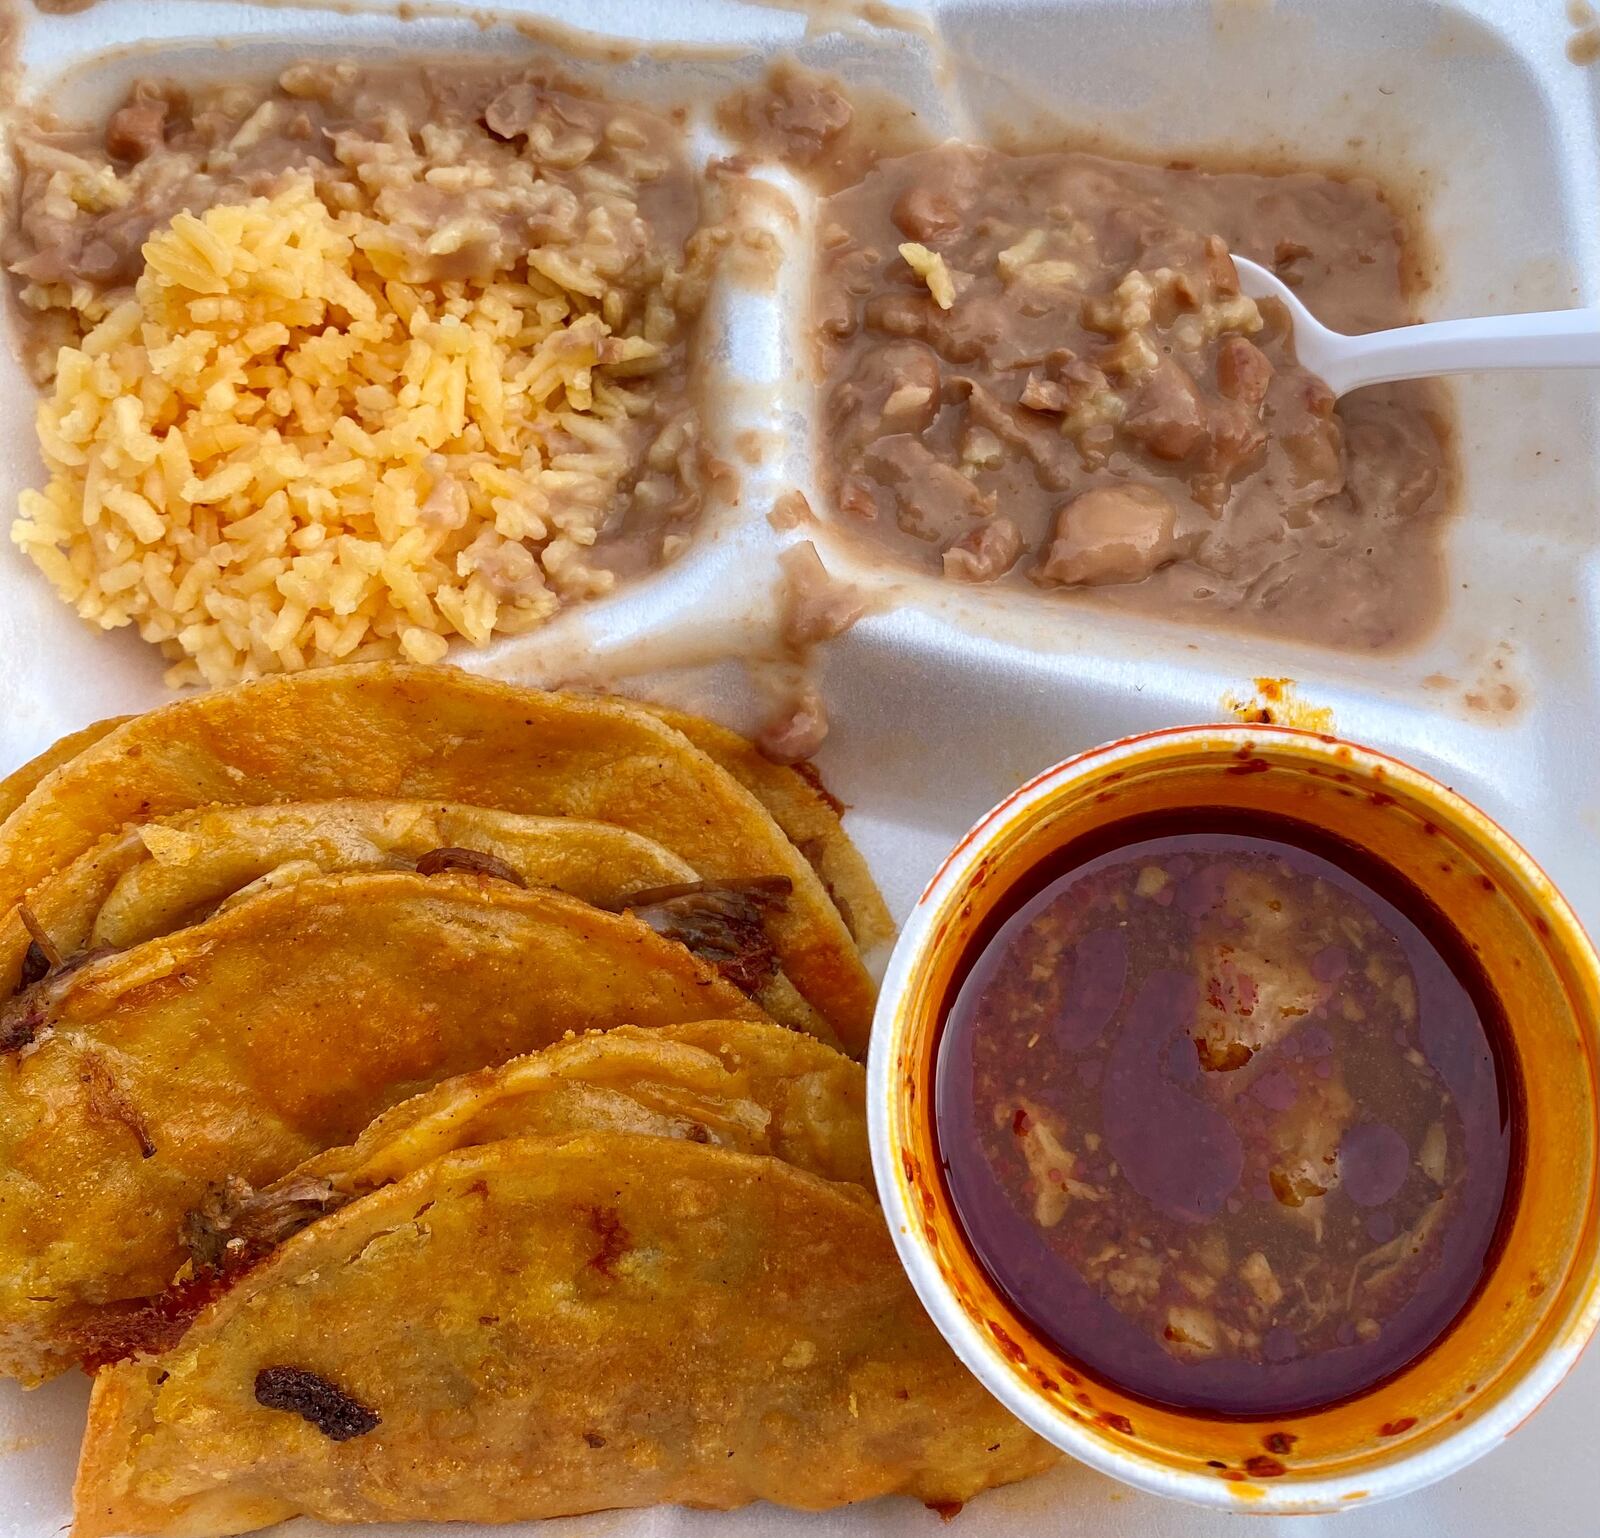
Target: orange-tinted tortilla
column 243, row 1045
column 416, row 733
column 541, row 1327
column 17, row 786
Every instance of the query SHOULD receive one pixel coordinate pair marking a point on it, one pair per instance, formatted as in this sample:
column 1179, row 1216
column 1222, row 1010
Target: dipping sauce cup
column 1538, row 1304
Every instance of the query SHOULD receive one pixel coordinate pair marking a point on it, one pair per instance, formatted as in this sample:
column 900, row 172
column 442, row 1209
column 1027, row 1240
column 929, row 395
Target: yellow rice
column 278, row 453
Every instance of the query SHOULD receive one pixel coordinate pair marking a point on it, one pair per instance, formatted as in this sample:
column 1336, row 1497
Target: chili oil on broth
column 1227, row 1114
column 1038, row 371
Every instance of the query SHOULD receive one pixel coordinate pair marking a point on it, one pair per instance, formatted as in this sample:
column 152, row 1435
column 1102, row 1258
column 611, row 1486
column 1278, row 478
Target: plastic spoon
column 1545, row 339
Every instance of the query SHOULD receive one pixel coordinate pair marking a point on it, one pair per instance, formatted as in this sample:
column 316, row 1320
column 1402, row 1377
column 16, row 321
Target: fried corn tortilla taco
column 546, row 1326
column 733, row 1083
column 16, row 787
column 793, row 793
column 243, row 1045
column 156, row 877
column 391, row 731
column 801, row 805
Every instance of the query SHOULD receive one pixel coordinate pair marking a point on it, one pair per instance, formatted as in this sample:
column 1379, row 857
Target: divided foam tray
column 942, row 700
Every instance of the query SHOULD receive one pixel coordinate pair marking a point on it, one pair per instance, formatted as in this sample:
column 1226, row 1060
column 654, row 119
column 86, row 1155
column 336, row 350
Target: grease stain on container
column 1493, row 691
column 1276, row 702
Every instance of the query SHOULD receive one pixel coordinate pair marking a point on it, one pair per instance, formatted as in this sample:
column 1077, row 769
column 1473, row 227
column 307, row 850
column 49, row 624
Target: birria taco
column 542, row 1326
column 743, row 1084
column 393, row 732
column 242, row 1045
column 153, row 878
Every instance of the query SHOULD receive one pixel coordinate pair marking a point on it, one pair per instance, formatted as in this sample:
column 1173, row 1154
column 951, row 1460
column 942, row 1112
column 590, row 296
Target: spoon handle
column 1544, row 339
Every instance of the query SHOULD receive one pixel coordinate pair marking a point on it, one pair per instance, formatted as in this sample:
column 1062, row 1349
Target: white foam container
column 944, row 701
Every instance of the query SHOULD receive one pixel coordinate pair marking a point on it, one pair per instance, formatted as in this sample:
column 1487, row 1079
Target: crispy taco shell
column 734, row 1083
column 801, row 805
column 546, row 1326
column 156, row 877
column 245, row 1044
column 741, row 1084
column 391, row 731
column 793, row 793
column 17, row 786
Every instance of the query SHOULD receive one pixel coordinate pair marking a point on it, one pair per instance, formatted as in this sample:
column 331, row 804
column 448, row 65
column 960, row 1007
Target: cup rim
column 1361, row 1485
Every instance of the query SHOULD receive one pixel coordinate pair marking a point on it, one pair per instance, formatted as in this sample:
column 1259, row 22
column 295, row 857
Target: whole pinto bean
column 1111, row 534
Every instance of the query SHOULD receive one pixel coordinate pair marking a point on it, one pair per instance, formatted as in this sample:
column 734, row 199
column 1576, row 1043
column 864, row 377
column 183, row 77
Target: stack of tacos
column 310, row 1148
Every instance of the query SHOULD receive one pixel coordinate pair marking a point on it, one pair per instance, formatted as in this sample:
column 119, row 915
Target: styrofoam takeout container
column 943, row 702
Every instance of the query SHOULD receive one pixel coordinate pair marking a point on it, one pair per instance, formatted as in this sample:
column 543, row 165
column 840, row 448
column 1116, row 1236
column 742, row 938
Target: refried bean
column 1039, row 370
column 430, row 144
column 416, row 339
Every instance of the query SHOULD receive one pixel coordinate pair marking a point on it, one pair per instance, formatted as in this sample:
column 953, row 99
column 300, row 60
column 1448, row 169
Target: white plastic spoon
column 1545, row 339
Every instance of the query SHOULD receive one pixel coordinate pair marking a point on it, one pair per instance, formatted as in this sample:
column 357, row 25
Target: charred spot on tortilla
column 235, row 1225
column 720, row 922
column 470, row 861
column 313, row 1398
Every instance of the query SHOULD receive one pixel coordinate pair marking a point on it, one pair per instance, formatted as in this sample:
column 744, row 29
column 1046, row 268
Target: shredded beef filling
column 235, row 1225
column 42, row 955
column 27, row 1014
column 22, row 1018
column 35, row 966
column 472, row 861
column 721, row 922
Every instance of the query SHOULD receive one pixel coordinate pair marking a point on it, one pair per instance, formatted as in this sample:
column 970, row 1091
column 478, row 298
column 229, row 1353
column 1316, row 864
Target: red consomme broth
column 1226, row 1111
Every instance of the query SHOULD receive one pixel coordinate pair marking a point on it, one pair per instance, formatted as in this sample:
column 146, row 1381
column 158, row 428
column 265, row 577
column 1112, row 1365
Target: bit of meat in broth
column 1229, row 1124
column 1040, row 370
